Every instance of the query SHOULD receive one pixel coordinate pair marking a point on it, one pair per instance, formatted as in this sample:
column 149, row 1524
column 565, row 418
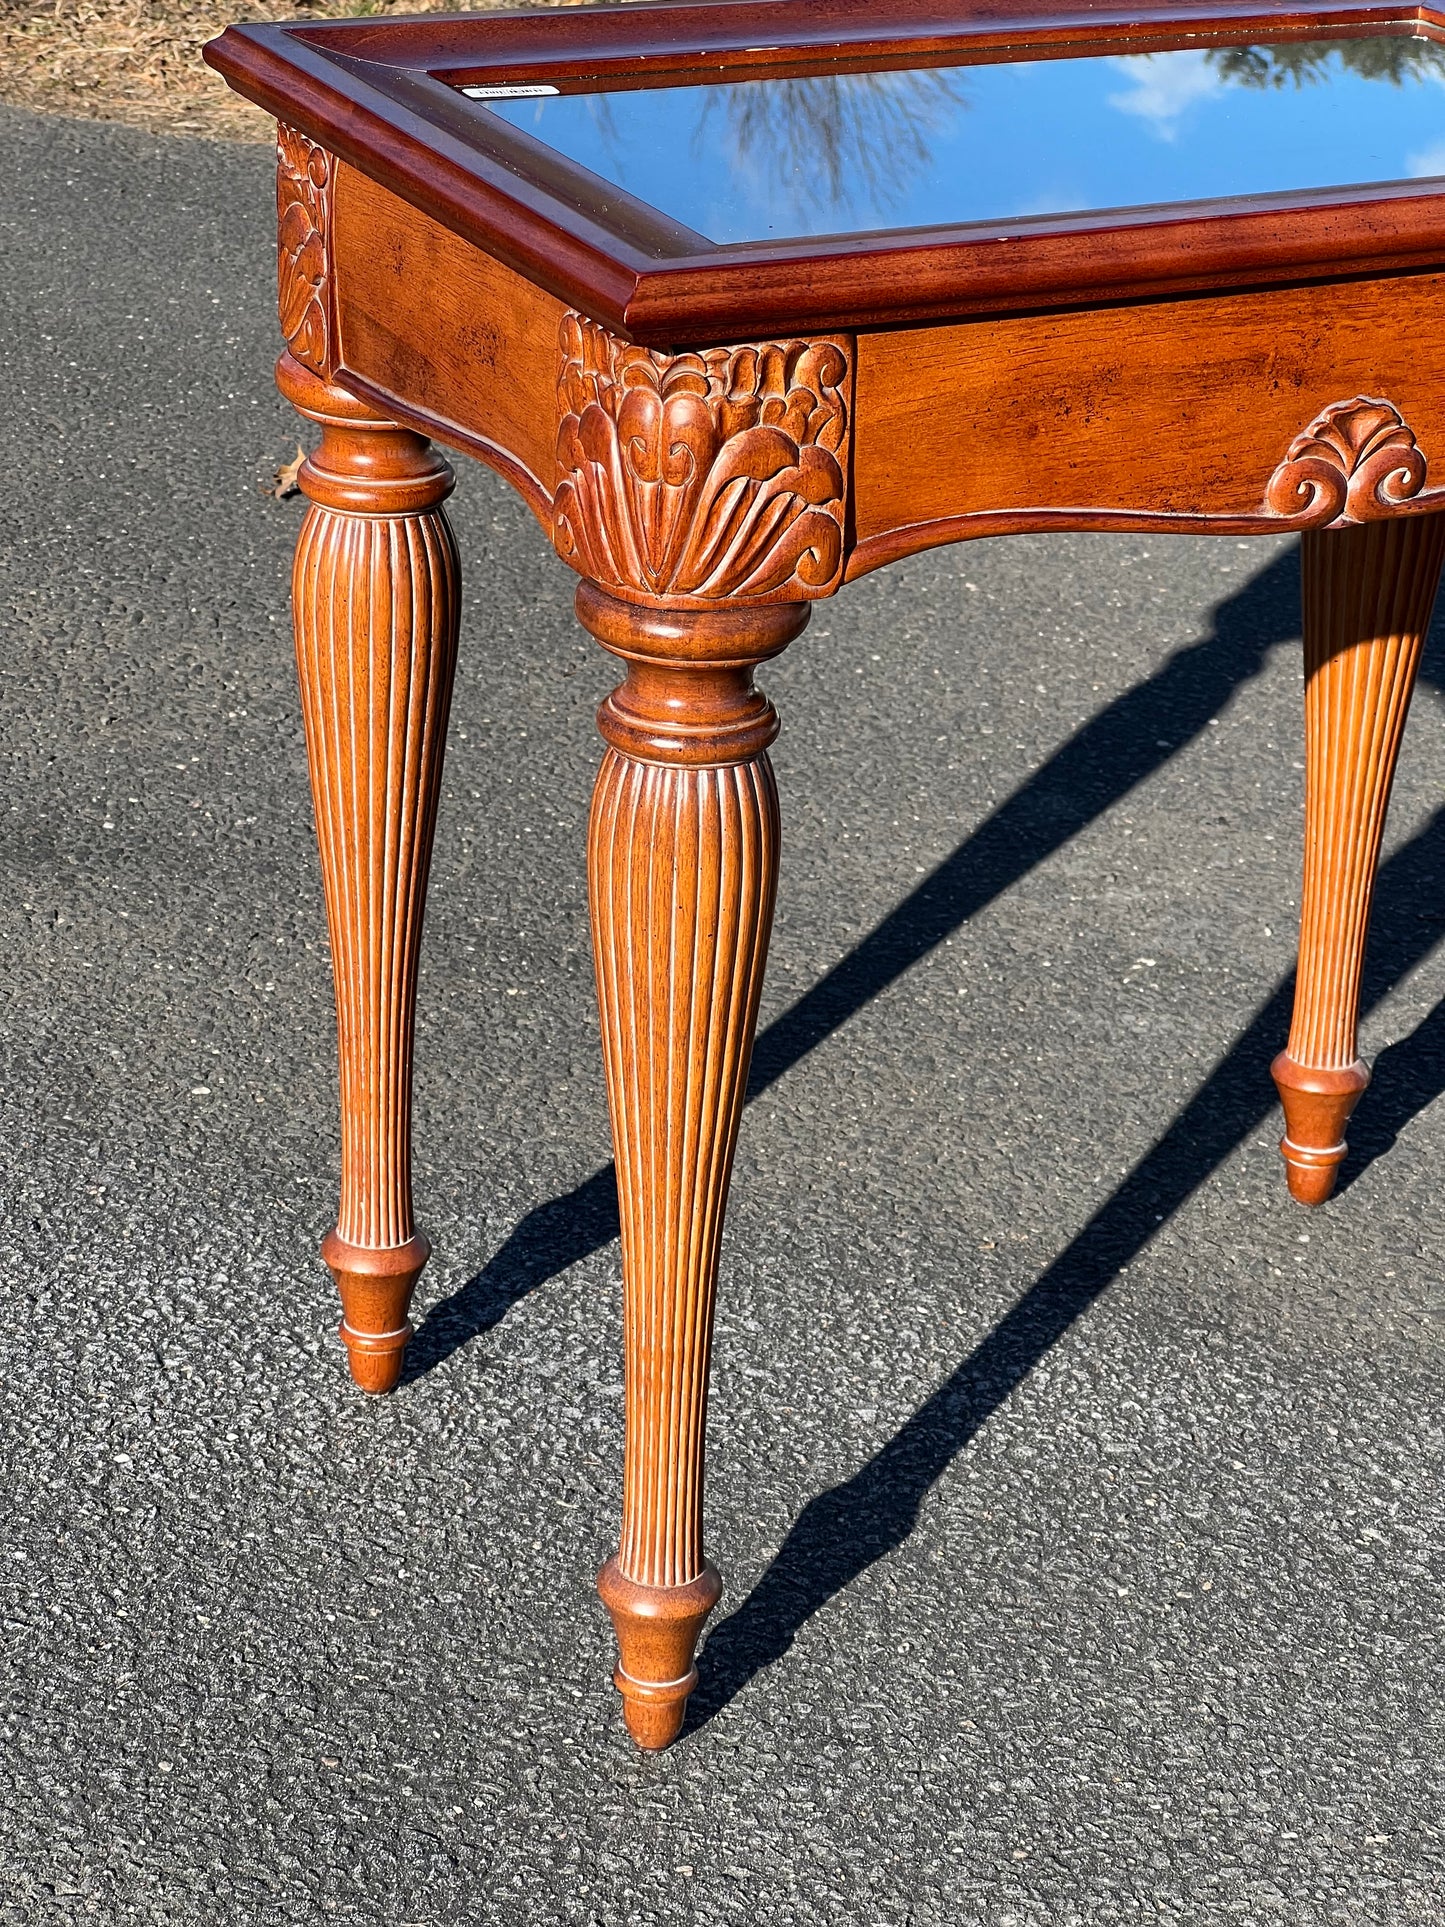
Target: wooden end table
column 747, row 298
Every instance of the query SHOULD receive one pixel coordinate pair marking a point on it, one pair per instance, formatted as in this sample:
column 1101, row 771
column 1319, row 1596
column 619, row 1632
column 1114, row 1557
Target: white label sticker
column 507, row 93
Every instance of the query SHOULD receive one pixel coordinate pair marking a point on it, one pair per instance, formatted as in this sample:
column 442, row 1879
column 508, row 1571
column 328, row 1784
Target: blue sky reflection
column 770, row 159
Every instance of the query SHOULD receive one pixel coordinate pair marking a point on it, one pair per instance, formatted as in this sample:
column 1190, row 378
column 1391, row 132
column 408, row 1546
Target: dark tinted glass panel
column 766, row 159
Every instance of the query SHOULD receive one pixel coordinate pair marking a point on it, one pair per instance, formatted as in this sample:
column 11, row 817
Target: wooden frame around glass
column 387, row 89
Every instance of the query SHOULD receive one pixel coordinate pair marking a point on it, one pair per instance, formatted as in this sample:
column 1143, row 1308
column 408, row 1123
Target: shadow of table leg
column 843, row 1531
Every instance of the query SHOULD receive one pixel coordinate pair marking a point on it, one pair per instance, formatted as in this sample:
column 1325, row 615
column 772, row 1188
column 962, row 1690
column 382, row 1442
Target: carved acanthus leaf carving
column 1358, row 461
column 303, row 218
column 718, row 473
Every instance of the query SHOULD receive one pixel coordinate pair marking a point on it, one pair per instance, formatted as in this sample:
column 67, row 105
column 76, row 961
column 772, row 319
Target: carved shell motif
column 1356, row 462
column 303, row 195
column 720, row 473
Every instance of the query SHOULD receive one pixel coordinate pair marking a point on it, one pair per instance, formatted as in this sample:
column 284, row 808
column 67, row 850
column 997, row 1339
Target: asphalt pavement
column 1079, row 1498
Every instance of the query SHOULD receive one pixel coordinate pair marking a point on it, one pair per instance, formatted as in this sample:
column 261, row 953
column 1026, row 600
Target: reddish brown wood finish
column 1368, row 594
column 376, row 597
column 777, row 424
column 712, row 476
column 657, row 1630
column 305, row 178
column 1179, row 416
column 683, row 862
column 370, row 91
column 483, row 371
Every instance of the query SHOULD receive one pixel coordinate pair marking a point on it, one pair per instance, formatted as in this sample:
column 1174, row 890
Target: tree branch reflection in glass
column 1392, row 57
column 846, row 147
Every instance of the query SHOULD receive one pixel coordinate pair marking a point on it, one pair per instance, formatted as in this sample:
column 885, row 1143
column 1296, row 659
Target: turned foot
column 375, row 1288
column 657, row 1631
column 1317, row 1106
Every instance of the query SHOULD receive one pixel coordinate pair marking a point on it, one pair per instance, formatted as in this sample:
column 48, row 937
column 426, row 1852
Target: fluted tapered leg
column 683, row 864
column 376, row 597
column 1368, row 594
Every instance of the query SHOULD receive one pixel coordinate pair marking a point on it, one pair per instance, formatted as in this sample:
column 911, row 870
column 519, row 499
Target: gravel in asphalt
column 1078, row 1497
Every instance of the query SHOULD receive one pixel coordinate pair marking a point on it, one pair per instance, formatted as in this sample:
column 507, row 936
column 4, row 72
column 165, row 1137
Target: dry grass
column 139, row 61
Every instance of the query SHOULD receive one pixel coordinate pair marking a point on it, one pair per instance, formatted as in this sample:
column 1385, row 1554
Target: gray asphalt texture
column 1078, row 1497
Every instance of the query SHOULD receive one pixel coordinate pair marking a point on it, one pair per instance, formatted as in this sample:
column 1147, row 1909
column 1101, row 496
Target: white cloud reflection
column 1164, row 86
column 1428, row 163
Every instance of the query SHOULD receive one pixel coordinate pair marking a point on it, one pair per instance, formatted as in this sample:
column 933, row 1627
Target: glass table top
column 775, row 159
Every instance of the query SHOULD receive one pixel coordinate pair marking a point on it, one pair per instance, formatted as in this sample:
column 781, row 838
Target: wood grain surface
column 1170, row 414
column 426, row 320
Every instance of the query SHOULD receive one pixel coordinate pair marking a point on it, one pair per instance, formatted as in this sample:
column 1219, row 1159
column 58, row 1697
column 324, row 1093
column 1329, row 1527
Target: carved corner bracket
column 304, row 177
column 1358, row 461
column 710, row 475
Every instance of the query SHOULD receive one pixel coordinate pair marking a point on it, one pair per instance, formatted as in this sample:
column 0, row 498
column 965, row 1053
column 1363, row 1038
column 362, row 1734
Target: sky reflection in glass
column 769, row 159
